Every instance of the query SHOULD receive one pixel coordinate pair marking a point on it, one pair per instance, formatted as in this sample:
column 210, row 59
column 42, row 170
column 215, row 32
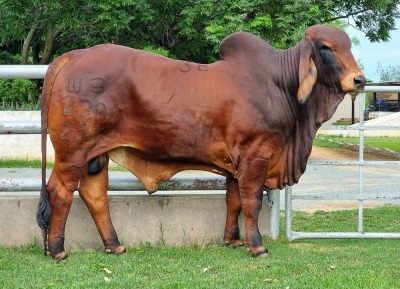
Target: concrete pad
column 176, row 220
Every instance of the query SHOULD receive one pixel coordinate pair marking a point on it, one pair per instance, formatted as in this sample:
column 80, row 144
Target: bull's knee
column 96, row 165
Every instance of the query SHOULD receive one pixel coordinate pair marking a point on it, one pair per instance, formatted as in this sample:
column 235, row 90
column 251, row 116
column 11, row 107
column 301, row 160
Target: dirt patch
column 339, row 154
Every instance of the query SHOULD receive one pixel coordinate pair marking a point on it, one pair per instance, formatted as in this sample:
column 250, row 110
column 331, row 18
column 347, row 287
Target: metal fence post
column 361, row 163
column 288, row 212
column 274, row 203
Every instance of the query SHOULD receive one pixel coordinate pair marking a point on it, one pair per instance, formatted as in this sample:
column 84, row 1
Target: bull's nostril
column 360, row 81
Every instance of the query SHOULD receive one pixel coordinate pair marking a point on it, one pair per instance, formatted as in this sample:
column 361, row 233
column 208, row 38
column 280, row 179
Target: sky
column 370, row 54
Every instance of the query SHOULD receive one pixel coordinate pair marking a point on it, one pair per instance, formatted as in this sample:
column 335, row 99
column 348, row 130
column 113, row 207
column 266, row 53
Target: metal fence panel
column 360, row 197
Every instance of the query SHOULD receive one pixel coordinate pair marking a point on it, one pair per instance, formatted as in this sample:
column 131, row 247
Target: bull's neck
column 300, row 141
column 289, row 64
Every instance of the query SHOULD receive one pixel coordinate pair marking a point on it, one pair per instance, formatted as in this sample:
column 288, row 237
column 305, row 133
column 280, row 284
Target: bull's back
column 109, row 96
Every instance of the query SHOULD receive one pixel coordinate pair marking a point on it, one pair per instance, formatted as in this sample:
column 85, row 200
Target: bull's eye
column 328, row 59
column 324, row 48
column 327, row 55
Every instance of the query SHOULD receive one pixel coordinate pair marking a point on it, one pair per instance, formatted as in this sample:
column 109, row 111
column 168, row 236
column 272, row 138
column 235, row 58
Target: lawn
column 392, row 143
column 32, row 163
column 298, row 264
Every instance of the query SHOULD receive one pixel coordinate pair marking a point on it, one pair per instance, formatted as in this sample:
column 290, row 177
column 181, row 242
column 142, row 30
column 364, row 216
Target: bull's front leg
column 251, row 177
column 93, row 190
column 233, row 209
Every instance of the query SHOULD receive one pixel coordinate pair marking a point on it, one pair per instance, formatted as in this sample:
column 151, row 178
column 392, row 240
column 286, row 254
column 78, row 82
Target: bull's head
column 325, row 54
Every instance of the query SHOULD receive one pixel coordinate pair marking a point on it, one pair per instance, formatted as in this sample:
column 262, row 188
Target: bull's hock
column 160, row 219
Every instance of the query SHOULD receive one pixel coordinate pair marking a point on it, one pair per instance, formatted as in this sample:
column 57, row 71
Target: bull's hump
column 242, row 44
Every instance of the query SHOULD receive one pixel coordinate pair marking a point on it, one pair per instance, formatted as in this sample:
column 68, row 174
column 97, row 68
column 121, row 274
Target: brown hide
column 252, row 115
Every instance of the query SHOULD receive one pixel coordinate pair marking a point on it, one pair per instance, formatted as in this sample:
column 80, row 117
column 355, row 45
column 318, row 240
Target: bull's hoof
column 259, row 252
column 234, row 243
column 261, row 255
column 116, row 250
column 60, row 256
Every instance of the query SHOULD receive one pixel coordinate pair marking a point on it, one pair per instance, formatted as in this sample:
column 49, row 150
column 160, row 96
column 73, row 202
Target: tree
column 390, row 73
column 43, row 28
column 35, row 31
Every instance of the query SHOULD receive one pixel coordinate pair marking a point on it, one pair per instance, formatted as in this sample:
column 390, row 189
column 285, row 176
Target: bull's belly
column 151, row 171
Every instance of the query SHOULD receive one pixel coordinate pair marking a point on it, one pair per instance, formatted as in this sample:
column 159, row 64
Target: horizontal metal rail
column 344, row 198
column 20, row 127
column 359, row 127
column 357, row 163
column 23, row 71
column 34, row 127
column 379, row 88
column 117, row 183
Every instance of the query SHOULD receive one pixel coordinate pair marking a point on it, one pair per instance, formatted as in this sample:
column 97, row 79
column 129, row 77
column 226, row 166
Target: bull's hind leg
column 233, row 209
column 93, row 190
column 61, row 186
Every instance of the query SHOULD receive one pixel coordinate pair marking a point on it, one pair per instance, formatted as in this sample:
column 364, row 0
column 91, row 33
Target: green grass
column 23, row 163
column 392, row 143
column 26, row 163
column 14, row 106
column 324, row 142
column 298, row 264
column 384, row 219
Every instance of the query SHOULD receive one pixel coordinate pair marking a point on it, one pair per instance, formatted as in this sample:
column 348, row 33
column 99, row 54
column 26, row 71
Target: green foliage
column 374, row 17
column 17, row 92
column 390, row 73
column 187, row 29
column 158, row 50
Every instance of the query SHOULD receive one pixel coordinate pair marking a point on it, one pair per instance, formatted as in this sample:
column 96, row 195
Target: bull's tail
column 44, row 210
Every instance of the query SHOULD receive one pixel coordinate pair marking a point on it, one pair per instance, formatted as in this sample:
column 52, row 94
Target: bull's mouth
column 354, row 93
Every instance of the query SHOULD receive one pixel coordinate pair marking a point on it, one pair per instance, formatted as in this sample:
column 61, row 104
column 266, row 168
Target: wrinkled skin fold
column 250, row 116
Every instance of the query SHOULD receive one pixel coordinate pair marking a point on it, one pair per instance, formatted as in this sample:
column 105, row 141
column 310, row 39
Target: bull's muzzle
column 360, row 82
column 352, row 84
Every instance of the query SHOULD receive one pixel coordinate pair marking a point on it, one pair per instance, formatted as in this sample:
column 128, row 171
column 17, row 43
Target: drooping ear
column 307, row 77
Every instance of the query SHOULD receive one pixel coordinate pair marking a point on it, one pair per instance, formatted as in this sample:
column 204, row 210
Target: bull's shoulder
column 244, row 44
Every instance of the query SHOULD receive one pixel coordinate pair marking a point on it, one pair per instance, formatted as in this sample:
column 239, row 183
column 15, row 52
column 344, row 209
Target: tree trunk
column 50, row 36
column 27, row 44
column 36, row 53
column 48, row 46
